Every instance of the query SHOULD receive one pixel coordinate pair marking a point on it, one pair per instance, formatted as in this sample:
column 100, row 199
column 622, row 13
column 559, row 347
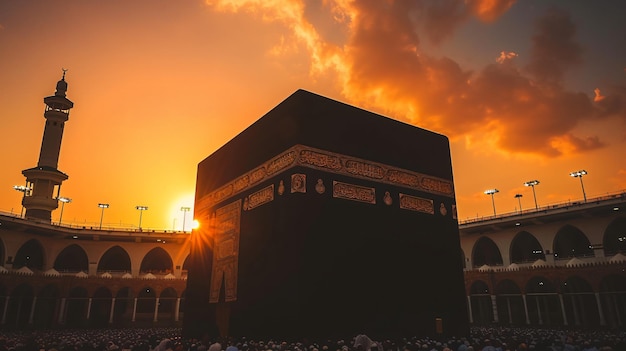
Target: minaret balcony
column 57, row 115
column 47, row 173
column 40, row 203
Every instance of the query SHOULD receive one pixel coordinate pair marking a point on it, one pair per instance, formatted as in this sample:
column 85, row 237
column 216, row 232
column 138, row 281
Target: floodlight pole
column 185, row 210
column 580, row 174
column 141, row 209
column 532, row 184
column 493, row 202
column 63, row 200
column 519, row 200
column 102, row 206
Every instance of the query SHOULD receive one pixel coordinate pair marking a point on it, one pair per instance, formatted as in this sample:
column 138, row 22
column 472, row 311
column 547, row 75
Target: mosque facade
column 558, row 266
column 562, row 265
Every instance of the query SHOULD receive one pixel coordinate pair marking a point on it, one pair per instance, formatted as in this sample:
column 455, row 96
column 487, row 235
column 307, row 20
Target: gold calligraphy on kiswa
column 415, row 203
column 354, row 192
column 319, row 159
column 300, row 155
column 226, row 251
column 259, row 198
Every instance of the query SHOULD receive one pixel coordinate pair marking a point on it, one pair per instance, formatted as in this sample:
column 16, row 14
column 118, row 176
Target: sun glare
column 181, row 213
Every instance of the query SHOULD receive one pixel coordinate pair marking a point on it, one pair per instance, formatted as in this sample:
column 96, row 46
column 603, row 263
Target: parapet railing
column 90, row 226
column 621, row 195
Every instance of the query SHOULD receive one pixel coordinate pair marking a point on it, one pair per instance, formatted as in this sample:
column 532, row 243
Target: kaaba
column 324, row 220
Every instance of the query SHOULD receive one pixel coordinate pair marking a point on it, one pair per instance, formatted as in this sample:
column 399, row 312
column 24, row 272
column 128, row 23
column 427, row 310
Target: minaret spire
column 44, row 181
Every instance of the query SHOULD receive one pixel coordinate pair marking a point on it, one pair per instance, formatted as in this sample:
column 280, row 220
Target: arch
column 613, row 298
column 156, row 260
column 480, row 302
column 72, row 259
column 185, row 266
column 479, row 287
column 167, row 304
column 45, row 306
column 181, row 308
column 486, row 252
column 115, row 259
column 510, row 303
column 20, row 304
column 526, row 248
column 100, row 307
column 30, row 254
column 186, row 263
column 581, row 308
column 571, row 242
column 76, row 307
column 614, row 239
column 124, row 302
column 146, row 302
column 542, row 301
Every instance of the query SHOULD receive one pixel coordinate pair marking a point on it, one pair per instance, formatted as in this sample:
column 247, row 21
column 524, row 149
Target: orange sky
column 524, row 90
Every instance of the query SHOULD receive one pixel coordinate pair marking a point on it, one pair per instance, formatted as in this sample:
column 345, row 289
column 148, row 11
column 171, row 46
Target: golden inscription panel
column 259, row 198
column 304, row 156
column 354, row 192
column 415, row 203
column 226, row 231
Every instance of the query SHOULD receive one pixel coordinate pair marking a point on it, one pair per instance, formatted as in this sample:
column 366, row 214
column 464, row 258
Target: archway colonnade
column 69, row 301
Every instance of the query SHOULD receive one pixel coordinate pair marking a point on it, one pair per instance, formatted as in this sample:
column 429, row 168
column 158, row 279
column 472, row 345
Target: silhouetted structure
column 325, row 219
column 43, row 183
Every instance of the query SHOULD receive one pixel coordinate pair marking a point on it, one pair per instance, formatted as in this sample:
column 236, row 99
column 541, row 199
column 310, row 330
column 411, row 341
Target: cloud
column 489, row 10
column 554, row 48
column 505, row 56
column 381, row 65
column 612, row 104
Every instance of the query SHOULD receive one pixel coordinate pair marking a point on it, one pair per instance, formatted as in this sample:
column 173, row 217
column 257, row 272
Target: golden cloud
column 380, row 65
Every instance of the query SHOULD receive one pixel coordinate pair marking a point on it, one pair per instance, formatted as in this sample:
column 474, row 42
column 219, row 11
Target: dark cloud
column 613, row 103
column 439, row 19
column 554, row 48
column 382, row 66
column 528, row 108
column 489, row 10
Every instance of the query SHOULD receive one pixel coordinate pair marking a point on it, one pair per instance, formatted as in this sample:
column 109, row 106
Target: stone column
column 469, row 308
column 31, row 317
column 62, row 311
column 156, row 310
column 563, row 309
column 89, row 308
column 176, row 311
column 134, row 310
column 508, row 307
column 526, row 308
column 600, row 311
column 4, row 312
column 538, row 310
column 494, row 308
column 112, row 311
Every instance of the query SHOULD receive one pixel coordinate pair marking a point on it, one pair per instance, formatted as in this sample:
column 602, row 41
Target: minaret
column 44, row 181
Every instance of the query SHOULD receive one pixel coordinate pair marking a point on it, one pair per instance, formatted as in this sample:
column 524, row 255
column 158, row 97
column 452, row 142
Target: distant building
column 54, row 275
column 70, row 276
column 561, row 265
